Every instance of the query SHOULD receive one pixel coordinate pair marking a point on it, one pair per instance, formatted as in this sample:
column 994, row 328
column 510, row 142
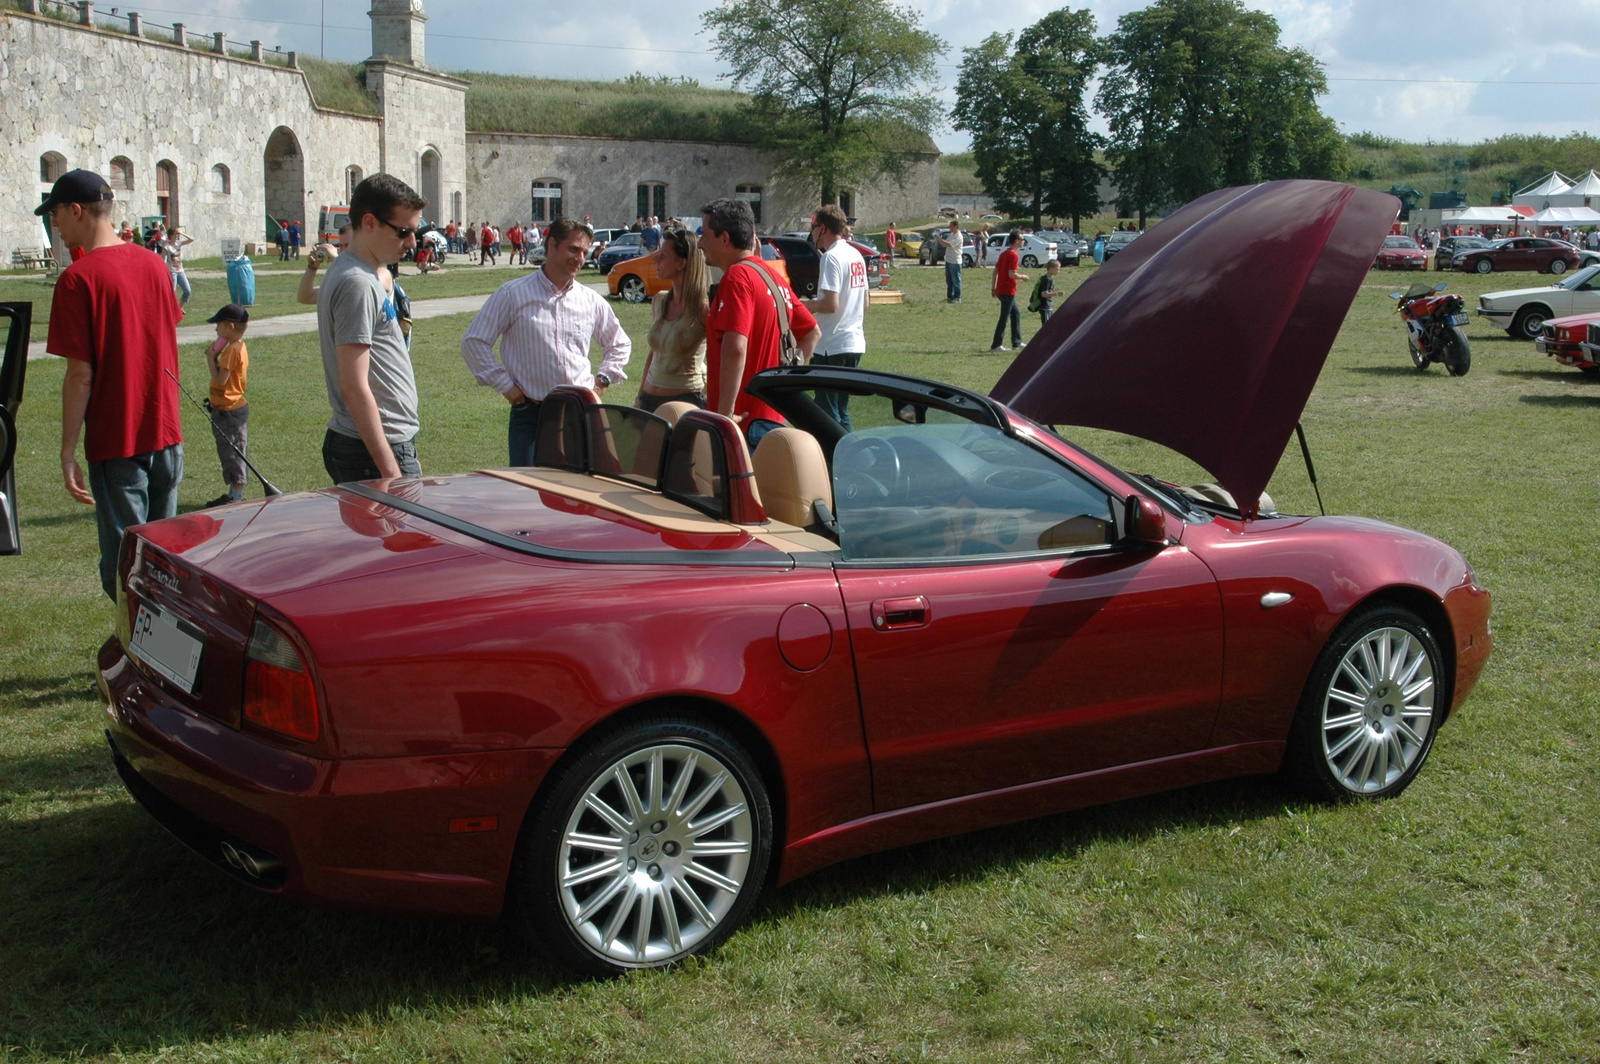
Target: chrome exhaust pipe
column 253, row 864
column 231, row 855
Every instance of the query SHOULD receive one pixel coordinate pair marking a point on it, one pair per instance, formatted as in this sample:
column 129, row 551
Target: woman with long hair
column 675, row 369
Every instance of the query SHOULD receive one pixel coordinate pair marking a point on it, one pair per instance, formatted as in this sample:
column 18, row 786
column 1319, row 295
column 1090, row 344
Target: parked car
column 1034, row 250
column 1572, row 341
column 624, row 247
column 801, row 260
column 877, row 262
column 1068, row 250
column 1519, row 253
column 1119, row 240
column 613, row 696
column 909, row 244
column 1400, row 253
column 1451, row 246
column 1523, row 311
column 603, row 238
column 932, row 250
column 635, row 279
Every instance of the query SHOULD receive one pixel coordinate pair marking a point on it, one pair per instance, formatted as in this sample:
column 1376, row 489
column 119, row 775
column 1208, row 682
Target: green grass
column 1224, row 923
column 340, row 86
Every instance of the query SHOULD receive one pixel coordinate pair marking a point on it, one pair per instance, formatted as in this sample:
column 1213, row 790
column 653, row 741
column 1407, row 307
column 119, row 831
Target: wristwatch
column 602, row 379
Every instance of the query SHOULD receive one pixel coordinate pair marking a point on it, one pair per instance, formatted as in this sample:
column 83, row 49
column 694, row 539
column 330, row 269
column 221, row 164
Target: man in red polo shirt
column 742, row 330
column 114, row 318
column 1005, row 290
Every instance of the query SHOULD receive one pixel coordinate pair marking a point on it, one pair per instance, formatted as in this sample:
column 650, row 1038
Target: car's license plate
column 1459, row 319
column 168, row 644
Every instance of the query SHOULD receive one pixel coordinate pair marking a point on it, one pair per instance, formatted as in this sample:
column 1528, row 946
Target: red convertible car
column 1400, row 253
column 1520, row 253
column 1573, row 341
column 614, row 695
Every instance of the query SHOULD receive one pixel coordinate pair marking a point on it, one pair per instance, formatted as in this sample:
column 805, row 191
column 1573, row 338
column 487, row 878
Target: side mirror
column 1394, row 295
column 1144, row 522
column 1440, row 287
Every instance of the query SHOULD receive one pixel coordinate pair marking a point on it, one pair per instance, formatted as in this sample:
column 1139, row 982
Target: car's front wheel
column 632, row 289
column 648, row 847
column 1029, row 262
column 1484, row 266
column 1371, row 708
column 1528, row 322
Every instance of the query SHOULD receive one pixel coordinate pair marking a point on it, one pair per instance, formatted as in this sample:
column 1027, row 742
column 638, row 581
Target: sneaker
column 1001, row 347
column 222, row 500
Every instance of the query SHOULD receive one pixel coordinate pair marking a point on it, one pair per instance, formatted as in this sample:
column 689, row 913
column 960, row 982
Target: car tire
column 923, row 257
column 968, row 261
column 603, row 893
column 1029, row 263
column 1483, row 266
column 1528, row 321
column 632, row 289
column 1591, row 372
column 1558, row 266
column 1457, row 352
column 1371, row 708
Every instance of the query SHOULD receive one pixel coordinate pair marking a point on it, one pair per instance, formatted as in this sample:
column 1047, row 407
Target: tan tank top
column 678, row 350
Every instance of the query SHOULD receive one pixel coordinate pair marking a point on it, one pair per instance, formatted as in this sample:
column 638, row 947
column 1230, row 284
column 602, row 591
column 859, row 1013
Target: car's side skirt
column 919, row 823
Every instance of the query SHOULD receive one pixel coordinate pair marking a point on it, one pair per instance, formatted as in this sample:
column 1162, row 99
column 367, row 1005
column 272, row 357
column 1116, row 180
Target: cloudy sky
column 1414, row 69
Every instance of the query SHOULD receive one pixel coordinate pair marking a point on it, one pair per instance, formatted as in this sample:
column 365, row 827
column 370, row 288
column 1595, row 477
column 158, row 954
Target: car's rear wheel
column 1558, row 266
column 1371, row 708
column 648, row 847
column 1528, row 322
column 1457, row 351
column 1484, row 266
column 632, row 288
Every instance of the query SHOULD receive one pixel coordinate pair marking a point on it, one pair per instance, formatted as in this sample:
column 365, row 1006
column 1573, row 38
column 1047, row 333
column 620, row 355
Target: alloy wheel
column 1377, row 712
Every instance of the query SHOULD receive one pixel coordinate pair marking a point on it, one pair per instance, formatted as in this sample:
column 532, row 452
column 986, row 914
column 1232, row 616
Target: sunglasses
column 400, row 231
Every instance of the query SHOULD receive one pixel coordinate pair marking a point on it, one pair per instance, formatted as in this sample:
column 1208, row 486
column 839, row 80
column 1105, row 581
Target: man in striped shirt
column 544, row 322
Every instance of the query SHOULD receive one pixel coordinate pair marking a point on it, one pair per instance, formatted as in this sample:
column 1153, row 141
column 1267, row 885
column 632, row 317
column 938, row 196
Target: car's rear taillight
column 278, row 692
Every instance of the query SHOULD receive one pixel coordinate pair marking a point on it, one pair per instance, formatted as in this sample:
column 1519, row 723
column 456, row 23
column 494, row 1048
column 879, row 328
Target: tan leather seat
column 671, row 412
column 792, row 475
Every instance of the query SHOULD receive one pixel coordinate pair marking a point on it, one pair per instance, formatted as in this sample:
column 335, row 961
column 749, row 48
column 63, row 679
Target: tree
column 1200, row 95
column 838, row 86
column 1029, row 123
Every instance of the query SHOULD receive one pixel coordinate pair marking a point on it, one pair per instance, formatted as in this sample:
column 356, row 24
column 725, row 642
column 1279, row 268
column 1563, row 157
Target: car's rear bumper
column 400, row 834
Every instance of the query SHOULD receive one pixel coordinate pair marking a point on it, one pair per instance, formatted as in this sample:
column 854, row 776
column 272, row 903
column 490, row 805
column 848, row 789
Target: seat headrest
column 671, row 412
column 792, row 474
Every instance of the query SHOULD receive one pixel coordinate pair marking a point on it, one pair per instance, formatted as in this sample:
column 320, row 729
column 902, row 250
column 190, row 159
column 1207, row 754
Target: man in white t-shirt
column 840, row 306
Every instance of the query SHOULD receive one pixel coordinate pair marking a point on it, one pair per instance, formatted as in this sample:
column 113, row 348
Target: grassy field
column 1231, row 922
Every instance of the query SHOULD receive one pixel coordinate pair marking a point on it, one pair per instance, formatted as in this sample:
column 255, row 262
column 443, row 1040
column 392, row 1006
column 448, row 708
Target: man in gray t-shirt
column 365, row 363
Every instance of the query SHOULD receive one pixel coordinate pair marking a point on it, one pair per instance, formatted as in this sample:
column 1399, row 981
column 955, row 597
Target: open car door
column 18, row 318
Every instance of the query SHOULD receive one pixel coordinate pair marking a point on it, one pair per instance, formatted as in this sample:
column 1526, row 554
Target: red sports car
column 1400, row 253
column 616, row 694
column 1573, row 341
column 1520, row 253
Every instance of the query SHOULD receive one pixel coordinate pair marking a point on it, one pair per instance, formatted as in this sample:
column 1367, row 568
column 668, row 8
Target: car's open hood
column 1206, row 334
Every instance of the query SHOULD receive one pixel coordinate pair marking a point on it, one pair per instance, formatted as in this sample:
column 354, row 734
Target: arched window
column 352, row 178
column 751, row 194
column 52, row 164
column 221, row 180
column 121, row 176
column 652, row 199
column 547, row 200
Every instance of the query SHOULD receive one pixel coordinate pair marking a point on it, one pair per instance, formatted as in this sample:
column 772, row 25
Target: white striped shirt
column 544, row 335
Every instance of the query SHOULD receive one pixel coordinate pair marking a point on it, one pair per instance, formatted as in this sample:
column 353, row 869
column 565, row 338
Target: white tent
column 1586, row 193
column 1484, row 216
column 1565, row 216
column 1538, row 193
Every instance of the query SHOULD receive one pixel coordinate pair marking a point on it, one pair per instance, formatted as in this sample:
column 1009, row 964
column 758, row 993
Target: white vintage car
column 1522, row 311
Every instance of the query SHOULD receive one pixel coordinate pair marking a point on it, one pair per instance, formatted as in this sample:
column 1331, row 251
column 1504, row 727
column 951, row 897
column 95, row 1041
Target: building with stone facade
column 219, row 140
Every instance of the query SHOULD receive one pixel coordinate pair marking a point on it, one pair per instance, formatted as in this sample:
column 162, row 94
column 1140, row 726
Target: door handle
column 888, row 614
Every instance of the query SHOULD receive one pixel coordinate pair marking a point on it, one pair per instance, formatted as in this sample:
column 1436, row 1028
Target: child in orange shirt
column 227, row 364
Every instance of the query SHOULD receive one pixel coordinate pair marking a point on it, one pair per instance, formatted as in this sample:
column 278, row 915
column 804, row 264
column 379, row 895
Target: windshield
column 1574, row 281
column 1399, row 242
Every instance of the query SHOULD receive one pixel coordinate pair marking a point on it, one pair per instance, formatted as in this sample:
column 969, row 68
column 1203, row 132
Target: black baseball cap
column 232, row 312
column 75, row 186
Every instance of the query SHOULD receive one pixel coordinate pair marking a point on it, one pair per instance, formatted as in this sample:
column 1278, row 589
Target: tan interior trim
column 630, row 500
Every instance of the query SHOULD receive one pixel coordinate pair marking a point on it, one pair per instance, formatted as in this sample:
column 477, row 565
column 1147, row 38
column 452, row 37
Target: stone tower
column 397, row 31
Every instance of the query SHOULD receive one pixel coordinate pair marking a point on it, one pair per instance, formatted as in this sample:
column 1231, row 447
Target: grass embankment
column 1223, row 923
column 635, row 108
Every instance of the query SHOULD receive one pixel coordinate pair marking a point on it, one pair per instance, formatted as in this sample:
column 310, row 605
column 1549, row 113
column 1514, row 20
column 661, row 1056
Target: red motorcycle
column 1433, row 327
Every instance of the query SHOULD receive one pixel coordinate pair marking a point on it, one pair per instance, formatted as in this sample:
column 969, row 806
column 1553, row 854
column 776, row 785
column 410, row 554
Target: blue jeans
column 131, row 491
column 952, row 278
column 520, row 432
column 1008, row 311
column 346, row 458
column 180, row 283
column 759, row 427
column 836, row 404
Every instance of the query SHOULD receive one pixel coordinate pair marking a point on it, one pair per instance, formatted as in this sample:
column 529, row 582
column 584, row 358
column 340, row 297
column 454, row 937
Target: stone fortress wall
column 236, row 137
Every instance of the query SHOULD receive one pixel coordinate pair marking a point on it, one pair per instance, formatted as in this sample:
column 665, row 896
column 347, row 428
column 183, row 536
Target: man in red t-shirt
column 742, row 329
column 114, row 318
column 1005, row 290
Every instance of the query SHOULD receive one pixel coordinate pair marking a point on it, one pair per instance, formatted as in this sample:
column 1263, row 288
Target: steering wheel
column 884, row 478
